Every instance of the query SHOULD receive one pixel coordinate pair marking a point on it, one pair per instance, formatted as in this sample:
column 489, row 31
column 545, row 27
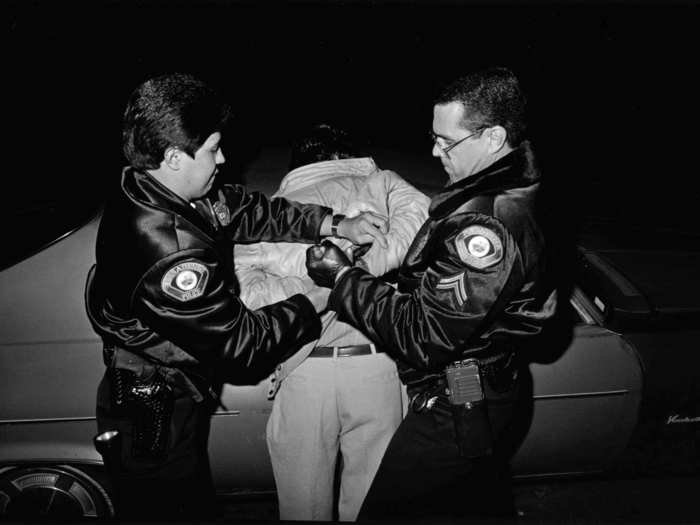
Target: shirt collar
column 310, row 174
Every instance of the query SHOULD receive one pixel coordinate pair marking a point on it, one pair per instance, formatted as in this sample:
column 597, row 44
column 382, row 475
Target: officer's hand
column 324, row 262
column 319, row 298
column 367, row 227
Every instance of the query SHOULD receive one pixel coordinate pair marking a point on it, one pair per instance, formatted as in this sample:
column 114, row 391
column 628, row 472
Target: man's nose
column 220, row 159
column 437, row 152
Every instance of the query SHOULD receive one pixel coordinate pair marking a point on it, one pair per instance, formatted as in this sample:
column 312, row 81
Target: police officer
column 163, row 296
column 473, row 290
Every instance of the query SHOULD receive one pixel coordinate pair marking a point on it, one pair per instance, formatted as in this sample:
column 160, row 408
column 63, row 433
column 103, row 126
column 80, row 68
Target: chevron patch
column 456, row 284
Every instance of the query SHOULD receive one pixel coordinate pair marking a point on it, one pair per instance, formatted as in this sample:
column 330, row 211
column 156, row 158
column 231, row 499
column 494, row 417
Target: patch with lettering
column 223, row 214
column 185, row 281
column 454, row 284
column 479, row 247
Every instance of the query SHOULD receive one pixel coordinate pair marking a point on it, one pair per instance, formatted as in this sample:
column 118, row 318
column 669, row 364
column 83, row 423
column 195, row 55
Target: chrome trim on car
column 31, row 253
column 227, row 413
column 589, row 313
column 585, row 316
column 584, row 394
column 46, row 420
column 549, row 475
column 52, row 342
column 88, row 418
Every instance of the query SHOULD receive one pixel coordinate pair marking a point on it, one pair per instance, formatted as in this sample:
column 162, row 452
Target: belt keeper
column 336, row 348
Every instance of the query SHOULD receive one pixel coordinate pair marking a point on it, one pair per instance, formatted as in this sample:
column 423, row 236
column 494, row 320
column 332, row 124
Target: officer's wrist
column 335, row 222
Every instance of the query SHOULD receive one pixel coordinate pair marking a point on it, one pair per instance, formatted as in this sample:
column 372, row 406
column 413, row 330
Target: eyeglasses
column 446, row 149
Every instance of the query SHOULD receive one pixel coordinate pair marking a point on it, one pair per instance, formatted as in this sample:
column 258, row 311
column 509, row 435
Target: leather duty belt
column 343, row 351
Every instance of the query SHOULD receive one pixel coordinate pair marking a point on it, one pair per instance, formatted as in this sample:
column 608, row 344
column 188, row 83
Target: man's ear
column 497, row 136
column 172, row 158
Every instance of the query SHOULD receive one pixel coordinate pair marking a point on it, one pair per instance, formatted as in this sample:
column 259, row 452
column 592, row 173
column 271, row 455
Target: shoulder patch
column 479, row 246
column 185, row 281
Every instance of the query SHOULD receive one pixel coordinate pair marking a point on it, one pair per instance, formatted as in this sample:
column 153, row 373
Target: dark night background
column 612, row 86
column 613, row 90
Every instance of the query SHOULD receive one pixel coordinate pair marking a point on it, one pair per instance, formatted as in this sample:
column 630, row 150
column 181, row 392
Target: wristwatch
column 334, row 224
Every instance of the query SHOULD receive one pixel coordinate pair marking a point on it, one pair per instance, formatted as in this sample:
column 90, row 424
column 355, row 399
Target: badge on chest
column 221, row 210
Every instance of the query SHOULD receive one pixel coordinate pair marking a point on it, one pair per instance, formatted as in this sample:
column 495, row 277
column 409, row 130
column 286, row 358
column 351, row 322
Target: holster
column 148, row 403
column 472, row 430
column 143, row 396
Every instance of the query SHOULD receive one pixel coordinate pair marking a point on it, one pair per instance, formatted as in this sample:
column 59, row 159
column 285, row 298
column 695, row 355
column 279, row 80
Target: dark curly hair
column 491, row 97
column 175, row 110
column 322, row 142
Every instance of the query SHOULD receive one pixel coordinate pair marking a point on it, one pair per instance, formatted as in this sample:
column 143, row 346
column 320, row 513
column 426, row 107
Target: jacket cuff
column 335, row 300
column 328, row 211
column 307, row 311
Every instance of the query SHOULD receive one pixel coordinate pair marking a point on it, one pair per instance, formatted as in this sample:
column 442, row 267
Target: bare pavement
column 574, row 502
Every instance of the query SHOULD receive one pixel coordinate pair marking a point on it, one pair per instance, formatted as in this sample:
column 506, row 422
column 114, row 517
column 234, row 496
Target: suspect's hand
column 324, row 262
column 367, row 227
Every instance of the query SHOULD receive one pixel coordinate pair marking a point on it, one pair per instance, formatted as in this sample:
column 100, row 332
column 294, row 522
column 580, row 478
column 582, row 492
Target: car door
column 585, row 402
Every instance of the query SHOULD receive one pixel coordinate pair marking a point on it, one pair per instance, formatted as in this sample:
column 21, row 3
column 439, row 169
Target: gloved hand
column 324, row 262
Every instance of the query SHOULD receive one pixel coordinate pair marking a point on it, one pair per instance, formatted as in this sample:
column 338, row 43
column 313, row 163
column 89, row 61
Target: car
column 622, row 398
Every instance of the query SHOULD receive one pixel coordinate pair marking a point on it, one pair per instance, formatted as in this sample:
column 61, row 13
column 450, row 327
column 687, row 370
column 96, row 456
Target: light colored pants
column 352, row 404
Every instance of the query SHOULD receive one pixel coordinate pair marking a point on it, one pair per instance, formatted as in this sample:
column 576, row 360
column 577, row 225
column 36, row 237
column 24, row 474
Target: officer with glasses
column 475, row 295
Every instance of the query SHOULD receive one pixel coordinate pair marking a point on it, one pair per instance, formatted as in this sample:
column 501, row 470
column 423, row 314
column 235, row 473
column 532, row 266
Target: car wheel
column 56, row 491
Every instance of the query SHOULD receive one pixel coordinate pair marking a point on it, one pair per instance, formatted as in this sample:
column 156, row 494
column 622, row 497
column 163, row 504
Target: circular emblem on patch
column 185, row 281
column 479, row 246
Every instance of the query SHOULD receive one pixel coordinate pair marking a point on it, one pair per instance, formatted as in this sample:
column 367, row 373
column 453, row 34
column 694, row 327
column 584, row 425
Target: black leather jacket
column 473, row 283
column 163, row 287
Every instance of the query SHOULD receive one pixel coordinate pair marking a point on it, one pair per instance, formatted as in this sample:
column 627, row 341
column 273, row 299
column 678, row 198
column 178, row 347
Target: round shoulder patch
column 479, row 246
column 185, row 281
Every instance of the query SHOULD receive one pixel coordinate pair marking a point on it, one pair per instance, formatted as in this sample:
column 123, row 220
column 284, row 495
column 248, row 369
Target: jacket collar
column 310, row 174
column 147, row 191
column 517, row 169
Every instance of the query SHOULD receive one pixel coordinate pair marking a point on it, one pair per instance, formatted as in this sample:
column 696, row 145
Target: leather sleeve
column 198, row 312
column 458, row 293
column 255, row 217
